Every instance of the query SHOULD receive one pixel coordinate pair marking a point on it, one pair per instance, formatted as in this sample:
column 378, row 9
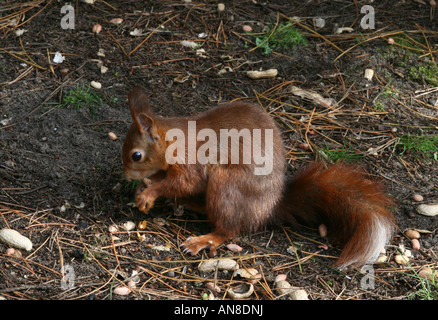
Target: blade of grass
column 313, row 31
column 150, row 35
column 270, row 35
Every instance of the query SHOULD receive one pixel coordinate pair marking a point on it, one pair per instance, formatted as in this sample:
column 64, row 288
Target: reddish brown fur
column 235, row 199
column 344, row 199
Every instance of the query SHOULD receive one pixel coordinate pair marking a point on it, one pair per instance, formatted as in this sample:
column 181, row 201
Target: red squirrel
column 236, row 197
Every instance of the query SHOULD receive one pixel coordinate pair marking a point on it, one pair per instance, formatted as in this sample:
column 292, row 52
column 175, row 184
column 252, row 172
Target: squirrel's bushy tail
column 354, row 208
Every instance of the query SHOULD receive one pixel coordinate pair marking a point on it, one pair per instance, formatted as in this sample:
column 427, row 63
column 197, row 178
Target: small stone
column 304, row 146
column 319, row 22
column 82, row 224
column 417, row 197
column 170, row 274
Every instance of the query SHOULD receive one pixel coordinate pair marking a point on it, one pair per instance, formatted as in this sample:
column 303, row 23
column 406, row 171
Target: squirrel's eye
column 136, row 156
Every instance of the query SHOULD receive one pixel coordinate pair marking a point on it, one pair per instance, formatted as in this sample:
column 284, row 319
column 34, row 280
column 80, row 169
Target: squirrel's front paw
column 144, row 199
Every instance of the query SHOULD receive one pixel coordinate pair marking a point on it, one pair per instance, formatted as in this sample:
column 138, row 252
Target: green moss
column 424, row 146
column 80, row 97
column 285, row 36
column 427, row 72
column 345, row 154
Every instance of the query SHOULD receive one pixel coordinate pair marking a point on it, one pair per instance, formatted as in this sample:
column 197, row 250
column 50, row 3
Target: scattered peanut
column 322, row 230
column 401, row 259
column 15, row 239
column 112, row 136
column 428, row 209
column 96, row 85
column 117, row 21
column 246, row 28
column 97, row 28
column 369, row 73
column 412, row 234
column 271, row 73
column 415, row 244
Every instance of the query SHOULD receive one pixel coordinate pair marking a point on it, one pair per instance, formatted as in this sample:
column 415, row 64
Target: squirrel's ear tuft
column 141, row 114
column 146, row 126
column 138, row 101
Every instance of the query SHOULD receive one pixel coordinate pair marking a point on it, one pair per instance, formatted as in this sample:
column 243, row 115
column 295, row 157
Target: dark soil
column 54, row 158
